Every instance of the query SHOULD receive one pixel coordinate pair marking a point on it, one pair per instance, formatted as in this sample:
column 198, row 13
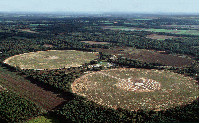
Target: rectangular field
column 184, row 32
column 41, row 97
column 173, row 31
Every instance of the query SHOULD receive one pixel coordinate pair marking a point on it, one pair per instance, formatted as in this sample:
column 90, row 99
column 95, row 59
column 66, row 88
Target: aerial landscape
column 116, row 64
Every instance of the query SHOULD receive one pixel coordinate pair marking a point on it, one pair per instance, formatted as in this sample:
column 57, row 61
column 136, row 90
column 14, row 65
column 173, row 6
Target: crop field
column 183, row 26
column 142, row 19
column 160, row 37
column 52, row 59
column 122, row 28
column 135, row 89
column 95, row 42
column 185, row 32
column 149, row 56
column 41, row 97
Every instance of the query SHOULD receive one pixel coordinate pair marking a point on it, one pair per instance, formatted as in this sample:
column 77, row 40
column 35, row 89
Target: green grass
column 101, row 88
column 103, row 63
column 52, row 59
column 161, row 39
column 107, row 23
column 119, row 27
column 43, row 119
column 159, row 30
column 186, row 32
column 38, row 24
column 133, row 23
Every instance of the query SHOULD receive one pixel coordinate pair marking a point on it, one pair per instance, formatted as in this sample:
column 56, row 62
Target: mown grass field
column 52, row 59
column 103, row 88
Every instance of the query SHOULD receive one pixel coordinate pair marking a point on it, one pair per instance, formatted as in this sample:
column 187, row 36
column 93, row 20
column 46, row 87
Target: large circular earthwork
column 51, row 59
column 135, row 89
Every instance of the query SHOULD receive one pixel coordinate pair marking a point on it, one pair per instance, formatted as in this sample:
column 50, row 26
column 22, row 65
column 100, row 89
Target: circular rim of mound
column 103, row 91
column 51, row 59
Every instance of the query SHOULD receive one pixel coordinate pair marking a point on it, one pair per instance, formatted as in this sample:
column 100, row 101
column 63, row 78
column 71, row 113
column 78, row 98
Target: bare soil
column 27, row 30
column 95, row 42
column 148, row 56
column 48, row 45
column 43, row 98
column 155, row 36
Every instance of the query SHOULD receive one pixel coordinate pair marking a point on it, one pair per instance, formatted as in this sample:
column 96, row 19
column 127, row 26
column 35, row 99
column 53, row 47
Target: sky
column 136, row 6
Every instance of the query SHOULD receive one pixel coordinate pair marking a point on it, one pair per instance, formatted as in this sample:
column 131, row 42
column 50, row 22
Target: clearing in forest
column 27, row 30
column 95, row 42
column 160, row 37
column 51, row 59
column 135, row 89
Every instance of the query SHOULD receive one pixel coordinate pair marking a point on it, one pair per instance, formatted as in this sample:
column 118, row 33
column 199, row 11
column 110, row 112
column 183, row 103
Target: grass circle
column 51, row 59
column 103, row 88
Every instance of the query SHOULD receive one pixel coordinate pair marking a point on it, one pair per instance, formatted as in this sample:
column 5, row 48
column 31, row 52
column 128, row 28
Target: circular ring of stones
column 135, row 89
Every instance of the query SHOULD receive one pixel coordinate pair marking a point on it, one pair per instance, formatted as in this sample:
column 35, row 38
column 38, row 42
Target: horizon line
column 95, row 12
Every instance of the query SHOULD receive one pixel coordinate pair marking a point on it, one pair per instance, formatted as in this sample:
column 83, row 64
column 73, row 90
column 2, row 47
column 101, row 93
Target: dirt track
column 43, row 98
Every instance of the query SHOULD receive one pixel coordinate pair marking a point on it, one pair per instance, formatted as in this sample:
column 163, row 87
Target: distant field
column 142, row 19
column 52, row 59
column 95, row 42
column 27, row 30
column 107, row 23
column 160, row 37
column 135, row 89
column 149, row 56
column 122, row 28
column 48, row 45
column 183, row 26
column 185, row 32
column 39, row 24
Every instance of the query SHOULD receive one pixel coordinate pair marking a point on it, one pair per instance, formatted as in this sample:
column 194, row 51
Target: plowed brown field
column 148, row 56
column 43, row 98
